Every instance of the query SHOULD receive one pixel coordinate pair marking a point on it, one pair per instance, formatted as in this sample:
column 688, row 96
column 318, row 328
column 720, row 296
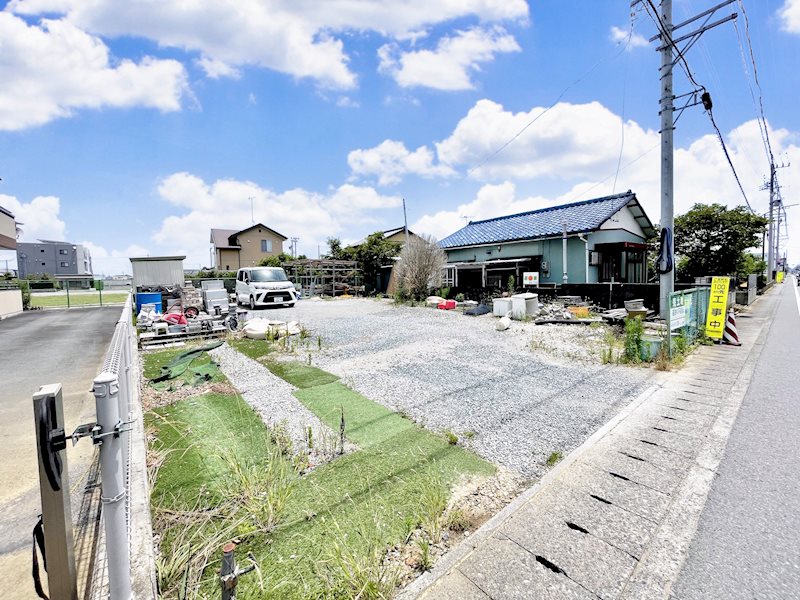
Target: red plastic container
column 447, row 305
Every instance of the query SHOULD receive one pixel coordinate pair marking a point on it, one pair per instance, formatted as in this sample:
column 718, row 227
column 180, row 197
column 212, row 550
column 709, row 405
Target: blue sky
column 134, row 127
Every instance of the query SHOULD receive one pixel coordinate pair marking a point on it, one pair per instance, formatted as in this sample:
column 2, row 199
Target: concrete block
column 506, row 571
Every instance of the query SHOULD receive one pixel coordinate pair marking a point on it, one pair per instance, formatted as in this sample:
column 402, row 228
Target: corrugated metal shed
column 157, row 271
column 579, row 217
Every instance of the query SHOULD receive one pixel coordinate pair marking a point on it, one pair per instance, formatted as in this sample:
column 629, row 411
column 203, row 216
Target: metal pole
column 778, row 237
column 227, row 572
column 48, row 412
column 666, row 280
column 405, row 220
column 106, row 390
column 67, row 284
column 770, row 234
column 564, row 277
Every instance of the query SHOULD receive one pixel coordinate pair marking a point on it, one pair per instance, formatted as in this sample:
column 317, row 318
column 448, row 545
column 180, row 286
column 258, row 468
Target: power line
column 557, row 100
column 755, row 77
column 666, row 37
column 622, row 121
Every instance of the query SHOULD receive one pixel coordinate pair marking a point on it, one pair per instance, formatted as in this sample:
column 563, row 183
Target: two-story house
column 245, row 248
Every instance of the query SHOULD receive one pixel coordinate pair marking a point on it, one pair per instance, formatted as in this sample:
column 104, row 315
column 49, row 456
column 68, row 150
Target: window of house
column 41, row 250
column 64, row 264
column 44, row 264
column 266, row 245
column 62, row 251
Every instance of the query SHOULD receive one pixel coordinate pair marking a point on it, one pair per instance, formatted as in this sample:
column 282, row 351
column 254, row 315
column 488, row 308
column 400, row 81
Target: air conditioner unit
column 595, row 258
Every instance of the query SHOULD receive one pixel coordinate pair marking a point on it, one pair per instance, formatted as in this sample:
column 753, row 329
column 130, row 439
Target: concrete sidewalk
column 616, row 517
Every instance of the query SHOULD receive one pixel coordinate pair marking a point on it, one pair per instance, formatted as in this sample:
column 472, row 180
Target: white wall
column 10, row 302
column 623, row 219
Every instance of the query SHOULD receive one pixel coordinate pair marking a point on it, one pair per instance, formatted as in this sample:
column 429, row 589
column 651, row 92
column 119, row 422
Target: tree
column 711, row 239
column 420, row 267
column 372, row 254
column 335, row 250
column 276, row 261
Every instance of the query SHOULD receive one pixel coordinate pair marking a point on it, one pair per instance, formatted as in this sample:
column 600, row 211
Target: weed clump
column 554, row 458
column 633, row 340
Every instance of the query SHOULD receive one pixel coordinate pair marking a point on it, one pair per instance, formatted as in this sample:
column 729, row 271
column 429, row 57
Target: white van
column 264, row 286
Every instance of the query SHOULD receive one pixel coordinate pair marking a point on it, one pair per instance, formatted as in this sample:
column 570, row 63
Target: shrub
column 633, row 339
column 459, row 297
column 420, row 266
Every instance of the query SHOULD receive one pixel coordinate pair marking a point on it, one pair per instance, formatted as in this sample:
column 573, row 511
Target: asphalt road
column 37, row 348
column 748, row 540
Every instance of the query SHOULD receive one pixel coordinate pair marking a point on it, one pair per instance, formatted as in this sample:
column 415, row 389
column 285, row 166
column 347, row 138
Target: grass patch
column 300, row 375
column 255, row 349
column 333, row 529
column 77, row 299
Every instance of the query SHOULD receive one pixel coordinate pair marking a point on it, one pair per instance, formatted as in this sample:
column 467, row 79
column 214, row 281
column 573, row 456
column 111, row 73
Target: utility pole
column 293, row 246
column 771, row 247
column 773, row 235
column 670, row 55
column 667, row 280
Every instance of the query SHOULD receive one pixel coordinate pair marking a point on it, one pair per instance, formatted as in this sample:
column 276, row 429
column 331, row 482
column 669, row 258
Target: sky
column 135, row 126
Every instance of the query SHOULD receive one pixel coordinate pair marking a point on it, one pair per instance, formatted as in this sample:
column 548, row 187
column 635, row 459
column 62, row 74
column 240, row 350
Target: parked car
column 264, row 286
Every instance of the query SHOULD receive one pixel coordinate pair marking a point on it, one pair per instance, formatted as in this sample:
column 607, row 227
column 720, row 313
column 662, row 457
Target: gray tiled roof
column 587, row 215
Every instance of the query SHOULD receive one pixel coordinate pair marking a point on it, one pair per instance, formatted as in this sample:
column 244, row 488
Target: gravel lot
column 511, row 402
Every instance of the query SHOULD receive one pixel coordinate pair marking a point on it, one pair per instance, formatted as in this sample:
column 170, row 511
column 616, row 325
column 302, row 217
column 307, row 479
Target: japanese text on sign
column 716, row 317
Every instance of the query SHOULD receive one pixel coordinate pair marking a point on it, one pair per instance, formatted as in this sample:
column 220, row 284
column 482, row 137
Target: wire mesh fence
column 52, row 293
column 687, row 316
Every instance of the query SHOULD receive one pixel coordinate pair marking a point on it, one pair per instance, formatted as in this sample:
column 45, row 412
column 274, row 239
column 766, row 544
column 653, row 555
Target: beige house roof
column 222, row 238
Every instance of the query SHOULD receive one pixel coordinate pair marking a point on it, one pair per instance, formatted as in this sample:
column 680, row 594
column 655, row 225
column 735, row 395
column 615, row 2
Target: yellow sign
column 779, row 277
column 717, row 303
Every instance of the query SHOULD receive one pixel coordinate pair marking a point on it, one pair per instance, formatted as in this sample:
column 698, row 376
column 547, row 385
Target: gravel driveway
column 511, row 404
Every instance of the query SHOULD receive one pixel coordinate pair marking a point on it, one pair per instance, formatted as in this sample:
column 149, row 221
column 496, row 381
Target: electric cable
column 557, row 100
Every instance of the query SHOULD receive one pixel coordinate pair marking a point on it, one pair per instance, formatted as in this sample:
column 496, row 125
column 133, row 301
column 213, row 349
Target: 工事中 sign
column 717, row 303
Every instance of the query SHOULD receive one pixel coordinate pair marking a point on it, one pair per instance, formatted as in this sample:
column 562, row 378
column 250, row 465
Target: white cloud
column 450, row 66
column 216, row 68
column 566, row 142
column 313, row 217
column 112, row 262
column 295, row 37
column 390, row 161
column 347, row 102
column 51, row 69
column 618, row 35
column 492, row 200
column 789, row 15
column 571, row 157
column 39, row 218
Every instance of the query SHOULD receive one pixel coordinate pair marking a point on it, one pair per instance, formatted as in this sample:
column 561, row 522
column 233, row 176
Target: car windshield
column 268, row 275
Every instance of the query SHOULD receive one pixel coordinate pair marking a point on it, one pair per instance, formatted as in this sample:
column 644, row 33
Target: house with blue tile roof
column 604, row 240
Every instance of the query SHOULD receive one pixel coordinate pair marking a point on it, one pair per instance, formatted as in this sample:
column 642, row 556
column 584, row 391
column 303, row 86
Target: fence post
column 59, row 559
column 106, row 393
column 66, row 283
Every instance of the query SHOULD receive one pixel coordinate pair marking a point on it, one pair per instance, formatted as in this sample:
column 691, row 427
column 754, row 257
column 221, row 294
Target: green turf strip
column 358, row 505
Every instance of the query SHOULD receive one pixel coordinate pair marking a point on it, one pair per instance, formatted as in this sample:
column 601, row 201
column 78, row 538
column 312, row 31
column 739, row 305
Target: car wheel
column 252, row 303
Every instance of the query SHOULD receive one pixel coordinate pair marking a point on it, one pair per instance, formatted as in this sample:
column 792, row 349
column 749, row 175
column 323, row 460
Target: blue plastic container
column 148, row 298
